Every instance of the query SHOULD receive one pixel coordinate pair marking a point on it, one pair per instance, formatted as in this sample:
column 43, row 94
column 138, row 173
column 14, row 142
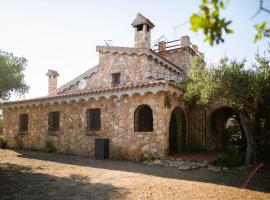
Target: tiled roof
column 140, row 19
column 74, row 81
column 128, row 86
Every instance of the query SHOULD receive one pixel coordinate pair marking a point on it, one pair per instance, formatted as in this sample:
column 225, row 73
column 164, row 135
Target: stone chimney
column 195, row 48
column 161, row 47
column 185, row 41
column 142, row 27
column 52, row 85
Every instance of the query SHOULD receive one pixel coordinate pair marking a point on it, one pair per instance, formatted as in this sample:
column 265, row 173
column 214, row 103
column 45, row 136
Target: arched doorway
column 177, row 131
column 225, row 128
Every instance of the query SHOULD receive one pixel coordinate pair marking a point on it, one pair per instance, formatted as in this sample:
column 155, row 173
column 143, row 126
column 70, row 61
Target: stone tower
column 52, row 86
column 142, row 27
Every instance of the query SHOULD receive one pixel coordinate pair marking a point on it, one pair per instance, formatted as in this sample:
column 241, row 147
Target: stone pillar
column 185, row 41
column 52, row 85
column 161, row 47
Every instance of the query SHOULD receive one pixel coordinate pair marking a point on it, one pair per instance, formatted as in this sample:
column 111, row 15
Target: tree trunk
column 247, row 124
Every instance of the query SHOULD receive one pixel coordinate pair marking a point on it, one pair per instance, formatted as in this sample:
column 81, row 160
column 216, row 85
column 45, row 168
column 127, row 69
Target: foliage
column 232, row 84
column 262, row 31
column 49, row 147
column 209, row 21
column 229, row 158
column 229, row 83
column 11, row 75
column 232, row 134
column 1, row 125
column 148, row 156
column 2, row 143
column 119, row 154
column 263, row 114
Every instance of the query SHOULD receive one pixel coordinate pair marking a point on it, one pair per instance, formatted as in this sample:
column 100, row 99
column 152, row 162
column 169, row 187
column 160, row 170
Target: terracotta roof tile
column 132, row 85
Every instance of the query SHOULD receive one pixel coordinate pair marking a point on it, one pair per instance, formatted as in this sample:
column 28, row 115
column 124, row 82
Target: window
column 53, row 121
column 115, row 78
column 140, row 27
column 143, row 119
column 93, row 119
column 23, row 123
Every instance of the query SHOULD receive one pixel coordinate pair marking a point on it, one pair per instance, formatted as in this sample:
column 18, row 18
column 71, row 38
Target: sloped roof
column 140, row 19
column 74, row 81
column 118, row 88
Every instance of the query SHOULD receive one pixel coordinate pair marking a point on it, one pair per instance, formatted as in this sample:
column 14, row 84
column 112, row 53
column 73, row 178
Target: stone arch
column 177, row 131
column 218, row 120
column 143, row 119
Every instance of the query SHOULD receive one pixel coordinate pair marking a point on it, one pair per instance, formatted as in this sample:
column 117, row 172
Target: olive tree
column 232, row 84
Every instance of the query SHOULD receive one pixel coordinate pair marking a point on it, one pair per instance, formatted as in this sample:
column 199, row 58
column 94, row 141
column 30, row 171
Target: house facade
column 133, row 97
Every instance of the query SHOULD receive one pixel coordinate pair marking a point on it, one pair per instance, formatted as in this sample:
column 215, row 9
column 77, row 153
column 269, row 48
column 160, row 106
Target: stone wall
column 179, row 57
column 132, row 68
column 117, row 124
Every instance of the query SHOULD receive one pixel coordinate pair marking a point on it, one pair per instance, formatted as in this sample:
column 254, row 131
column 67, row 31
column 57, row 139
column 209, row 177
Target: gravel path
column 36, row 175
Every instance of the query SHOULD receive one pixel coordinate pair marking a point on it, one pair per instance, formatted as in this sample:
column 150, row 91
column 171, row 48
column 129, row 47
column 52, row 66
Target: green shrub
column 229, row 158
column 2, row 143
column 119, row 154
column 49, row 147
column 148, row 156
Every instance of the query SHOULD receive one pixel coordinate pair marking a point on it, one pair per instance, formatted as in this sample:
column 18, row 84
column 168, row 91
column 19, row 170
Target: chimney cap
column 52, row 73
column 140, row 19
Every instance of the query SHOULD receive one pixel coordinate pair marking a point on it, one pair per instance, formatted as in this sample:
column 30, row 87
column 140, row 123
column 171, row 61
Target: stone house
column 133, row 97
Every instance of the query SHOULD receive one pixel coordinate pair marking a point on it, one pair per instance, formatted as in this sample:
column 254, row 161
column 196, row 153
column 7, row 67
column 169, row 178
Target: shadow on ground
column 235, row 178
column 19, row 182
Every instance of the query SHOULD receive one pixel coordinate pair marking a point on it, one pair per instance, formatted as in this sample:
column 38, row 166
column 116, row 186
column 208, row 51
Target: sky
column 63, row 34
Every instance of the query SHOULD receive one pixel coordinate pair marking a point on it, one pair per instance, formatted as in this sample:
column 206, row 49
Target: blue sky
column 63, row 34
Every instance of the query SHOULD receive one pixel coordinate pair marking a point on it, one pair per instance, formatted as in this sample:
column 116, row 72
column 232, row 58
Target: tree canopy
column 209, row 20
column 229, row 82
column 232, row 83
column 11, row 75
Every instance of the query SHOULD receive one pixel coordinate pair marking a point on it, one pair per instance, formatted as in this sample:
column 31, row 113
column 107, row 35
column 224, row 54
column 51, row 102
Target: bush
column 49, row 147
column 119, row 154
column 229, row 158
column 148, row 156
column 2, row 143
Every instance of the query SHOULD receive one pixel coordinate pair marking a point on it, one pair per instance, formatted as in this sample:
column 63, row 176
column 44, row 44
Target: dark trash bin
column 101, row 149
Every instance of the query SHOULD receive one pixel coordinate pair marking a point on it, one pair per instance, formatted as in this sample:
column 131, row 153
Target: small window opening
column 115, row 79
column 23, row 123
column 93, row 119
column 53, row 121
column 140, row 27
column 143, row 119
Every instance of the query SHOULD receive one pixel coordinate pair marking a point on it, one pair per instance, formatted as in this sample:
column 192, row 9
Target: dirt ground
column 36, row 175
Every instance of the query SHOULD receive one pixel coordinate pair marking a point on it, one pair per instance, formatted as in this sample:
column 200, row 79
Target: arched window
column 143, row 119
